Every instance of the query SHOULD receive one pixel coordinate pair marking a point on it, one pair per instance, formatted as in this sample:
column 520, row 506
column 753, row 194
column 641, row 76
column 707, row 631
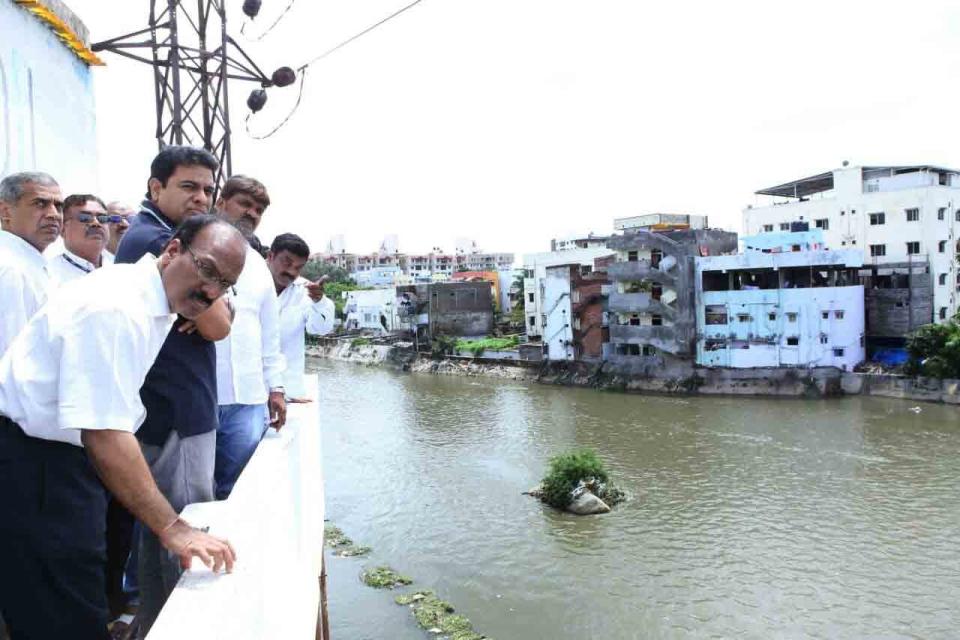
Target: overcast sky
column 514, row 121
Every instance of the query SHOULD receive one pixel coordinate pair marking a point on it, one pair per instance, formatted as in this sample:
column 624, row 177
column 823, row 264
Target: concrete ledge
column 274, row 519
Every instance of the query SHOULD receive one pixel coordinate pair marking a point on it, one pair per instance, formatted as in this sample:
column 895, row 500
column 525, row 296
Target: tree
column 314, row 270
column 934, row 350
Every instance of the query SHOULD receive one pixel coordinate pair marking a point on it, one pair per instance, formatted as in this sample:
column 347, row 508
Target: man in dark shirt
column 178, row 437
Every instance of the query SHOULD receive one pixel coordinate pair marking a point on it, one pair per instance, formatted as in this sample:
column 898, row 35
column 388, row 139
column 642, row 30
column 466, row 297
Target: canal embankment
column 822, row 382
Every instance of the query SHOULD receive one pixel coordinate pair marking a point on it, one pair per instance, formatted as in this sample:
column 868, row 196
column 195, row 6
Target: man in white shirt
column 85, row 236
column 120, row 216
column 303, row 307
column 30, row 219
column 249, row 363
column 69, row 407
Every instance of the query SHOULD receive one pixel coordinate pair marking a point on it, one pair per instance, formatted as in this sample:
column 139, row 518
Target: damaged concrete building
column 575, row 302
column 652, row 308
column 446, row 308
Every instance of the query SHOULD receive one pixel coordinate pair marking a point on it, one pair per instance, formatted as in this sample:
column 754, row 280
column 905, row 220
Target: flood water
column 747, row 518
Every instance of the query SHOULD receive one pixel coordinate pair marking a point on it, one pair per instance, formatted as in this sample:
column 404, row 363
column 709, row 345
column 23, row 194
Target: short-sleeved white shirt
column 24, row 281
column 81, row 360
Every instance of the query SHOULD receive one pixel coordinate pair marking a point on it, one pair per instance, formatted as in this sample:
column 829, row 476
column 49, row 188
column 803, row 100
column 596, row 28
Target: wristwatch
column 278, row 390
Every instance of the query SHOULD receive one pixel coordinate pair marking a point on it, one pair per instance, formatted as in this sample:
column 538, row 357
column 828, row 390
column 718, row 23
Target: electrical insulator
column 258, row 98
column 283, row 76
column 251, row 8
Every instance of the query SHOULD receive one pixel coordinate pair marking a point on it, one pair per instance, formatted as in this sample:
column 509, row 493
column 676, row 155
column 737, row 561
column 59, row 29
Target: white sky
column 514, row 121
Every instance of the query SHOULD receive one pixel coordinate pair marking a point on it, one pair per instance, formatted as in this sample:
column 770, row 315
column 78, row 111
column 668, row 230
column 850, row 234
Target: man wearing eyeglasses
column 85, row 235
column 31, row 208
column 69, row 407
column 178, row 437
column 250, row 365
column 120, row 216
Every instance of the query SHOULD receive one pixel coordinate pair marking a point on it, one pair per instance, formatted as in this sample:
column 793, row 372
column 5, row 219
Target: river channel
column 747, row 518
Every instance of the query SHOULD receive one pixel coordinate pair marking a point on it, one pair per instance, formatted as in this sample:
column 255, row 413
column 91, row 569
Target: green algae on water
column 383, row 578
column 438, row 616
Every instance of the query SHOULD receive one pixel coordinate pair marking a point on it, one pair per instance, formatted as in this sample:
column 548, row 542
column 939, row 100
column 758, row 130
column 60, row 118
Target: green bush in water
column 565, row 473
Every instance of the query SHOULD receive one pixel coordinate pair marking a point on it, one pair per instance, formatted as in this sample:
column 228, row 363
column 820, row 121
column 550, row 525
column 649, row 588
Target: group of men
column 142, row 357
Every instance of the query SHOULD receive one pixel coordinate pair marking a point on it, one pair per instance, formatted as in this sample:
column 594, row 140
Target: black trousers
column 52, row 545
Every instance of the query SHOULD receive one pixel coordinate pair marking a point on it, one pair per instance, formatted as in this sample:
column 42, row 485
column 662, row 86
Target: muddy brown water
column 747, row 518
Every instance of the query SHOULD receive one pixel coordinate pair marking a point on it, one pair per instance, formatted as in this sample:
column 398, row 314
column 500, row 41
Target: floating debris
column 383, row 578
column 438, row 617
column 335, row 537
column 352, row 551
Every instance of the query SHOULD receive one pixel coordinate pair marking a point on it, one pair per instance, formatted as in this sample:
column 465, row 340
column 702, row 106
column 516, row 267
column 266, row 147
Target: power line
column 270, row 28
column 302, row 69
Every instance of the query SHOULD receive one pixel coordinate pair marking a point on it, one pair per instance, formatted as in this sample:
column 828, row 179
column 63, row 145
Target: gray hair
column 11, row 187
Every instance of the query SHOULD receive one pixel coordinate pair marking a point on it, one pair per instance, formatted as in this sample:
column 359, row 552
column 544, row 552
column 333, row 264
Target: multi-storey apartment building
column 785, row 301
column 535, row 272
column 652, row 313
column 904, row 219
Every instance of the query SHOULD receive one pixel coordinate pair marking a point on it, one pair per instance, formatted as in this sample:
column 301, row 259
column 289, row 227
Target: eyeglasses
column 209, row 275
column 85, row 217
column 116, row 219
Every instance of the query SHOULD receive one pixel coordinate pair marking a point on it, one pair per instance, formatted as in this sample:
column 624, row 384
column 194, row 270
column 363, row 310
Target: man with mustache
column 178, row 437
column 85, row 235
column 250, row 365
column 303, row 307
column 120, row 216
column 69, row 407
column 31, row 207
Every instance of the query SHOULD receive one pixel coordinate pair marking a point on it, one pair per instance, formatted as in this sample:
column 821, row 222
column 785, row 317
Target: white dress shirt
column 81, row 360
column 299, row 314
column 67, row 267
column 249, row 362
column 24, row 281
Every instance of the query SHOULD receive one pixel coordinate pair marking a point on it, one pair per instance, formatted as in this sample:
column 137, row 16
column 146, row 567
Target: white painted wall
column 848, row 208
column 47, row 119
column 364, row 308
column 537, row 263
column 558, row 331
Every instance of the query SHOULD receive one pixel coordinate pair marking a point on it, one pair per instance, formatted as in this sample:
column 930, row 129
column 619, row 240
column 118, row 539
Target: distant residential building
column 446, row 308
column 579, row 242
column 534, row 273
column 484, row 261
column 576, row 303
column 785, row 301
column 435, row 266
column 371, row 310
column 660, row 222
column 652, row 311
column 387, row 276
column 905, row 220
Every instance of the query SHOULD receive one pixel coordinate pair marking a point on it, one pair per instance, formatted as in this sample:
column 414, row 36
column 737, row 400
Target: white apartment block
column 909, row 215
column 535, row 272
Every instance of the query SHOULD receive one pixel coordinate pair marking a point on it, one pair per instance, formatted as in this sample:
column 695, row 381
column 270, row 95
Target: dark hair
column 290, row 242
column 169, row 158
column 187, row 230
column 245, row 184
column 80, row 199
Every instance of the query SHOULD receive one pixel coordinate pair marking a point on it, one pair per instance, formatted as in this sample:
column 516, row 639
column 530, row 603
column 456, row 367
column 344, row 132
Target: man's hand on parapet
column 277, row 407
column 187, row 542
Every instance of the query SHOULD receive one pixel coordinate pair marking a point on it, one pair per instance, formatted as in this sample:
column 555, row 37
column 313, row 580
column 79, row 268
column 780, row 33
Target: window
column 913, row 215
column 941, row 213
column 822, row 223
column 656, row 321
column 791, row 316
column 878, row 218
column 744, row 317
column 631, row 256
column 772, row 317
column 957, row 215
column 943, row 313
column 877, row 250
column 837, row 352
column 634, row 320
column 942, row 280
column 942, row 246
column 530, row 297
column 767, row 228
column 793, row 341
column 913, row 248
column 824, row 339
column 649, row 351
column 716, row 314
column 784, row 226
column 825, row 315
column 838, row 315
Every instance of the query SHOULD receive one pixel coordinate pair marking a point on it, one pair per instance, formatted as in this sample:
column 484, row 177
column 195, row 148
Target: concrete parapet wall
column 905, row 387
